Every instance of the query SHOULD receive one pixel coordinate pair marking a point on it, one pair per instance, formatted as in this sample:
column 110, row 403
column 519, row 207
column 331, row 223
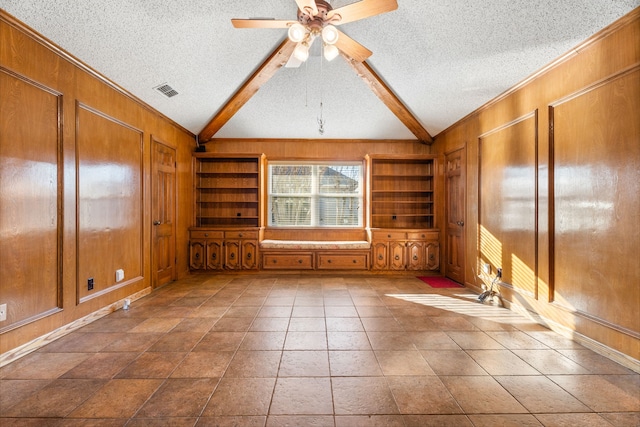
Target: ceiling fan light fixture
column 297, row 33
column 330, row 52
column 330, row 34
column 301, row 52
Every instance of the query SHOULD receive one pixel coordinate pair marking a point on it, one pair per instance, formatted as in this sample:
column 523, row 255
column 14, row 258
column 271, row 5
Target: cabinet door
column 249, row 255
column 232, row 255
column 397, row 250
column 197, row 255
column 380, row 255
column 432, row 256
column 415, row 251
column 214, row 254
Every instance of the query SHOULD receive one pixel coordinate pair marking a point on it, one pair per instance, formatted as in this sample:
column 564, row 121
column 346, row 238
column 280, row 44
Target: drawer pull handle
column 206, row 234
column 197, row 256
column 213, row 256
column 232, row 255
column 299, row 261
column 415, row 257
column 380, row 257
column 275, row 261
column 397, row 257
column 355, row 261
column 329, row 261
column 388, row 236
column 249, row 255
column 240, row 235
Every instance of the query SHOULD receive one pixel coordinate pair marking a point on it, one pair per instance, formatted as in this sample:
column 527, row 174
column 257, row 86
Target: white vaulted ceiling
column 443, row 59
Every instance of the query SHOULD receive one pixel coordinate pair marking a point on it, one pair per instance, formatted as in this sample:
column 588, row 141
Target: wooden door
column 397, row 250
column 214, row 254
column 415, row 252
column 380, row 255
column 455, row 214
column 163, row 214
column 232, row 259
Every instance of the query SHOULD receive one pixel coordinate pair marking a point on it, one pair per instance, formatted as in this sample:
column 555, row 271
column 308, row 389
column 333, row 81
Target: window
column 303, row 194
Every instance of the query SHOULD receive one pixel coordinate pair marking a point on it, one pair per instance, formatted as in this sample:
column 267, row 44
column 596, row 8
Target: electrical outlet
column 3, row 312
column 499, row 273
column 486, row 268
column 90, row 284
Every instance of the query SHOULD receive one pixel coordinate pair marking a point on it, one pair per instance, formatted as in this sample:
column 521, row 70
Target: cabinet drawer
column 201, row 234
column 388, row 235
column 241, row 234
column 355, row 261
column 299, row 261
column 422, row 235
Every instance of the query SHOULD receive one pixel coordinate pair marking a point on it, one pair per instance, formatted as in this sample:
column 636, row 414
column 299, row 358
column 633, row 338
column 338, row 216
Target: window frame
column 315, row 195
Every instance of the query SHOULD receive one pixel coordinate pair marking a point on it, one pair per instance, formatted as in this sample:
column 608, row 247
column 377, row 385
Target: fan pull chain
column 321, row 120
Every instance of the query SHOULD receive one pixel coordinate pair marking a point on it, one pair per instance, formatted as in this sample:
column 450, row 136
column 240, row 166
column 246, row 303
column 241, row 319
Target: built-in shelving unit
column 402, row 192
column 227, row 190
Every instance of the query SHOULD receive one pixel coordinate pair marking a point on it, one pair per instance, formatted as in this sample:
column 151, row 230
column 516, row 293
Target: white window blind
column 303, row 194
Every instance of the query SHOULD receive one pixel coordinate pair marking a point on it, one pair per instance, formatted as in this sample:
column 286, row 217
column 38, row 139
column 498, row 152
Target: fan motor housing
column 305, row 18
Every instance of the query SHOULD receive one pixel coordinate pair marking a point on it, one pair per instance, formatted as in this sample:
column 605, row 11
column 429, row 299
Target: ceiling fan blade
column 261, row 23
column 362, row 9
column 293, row 62
column 352, row 48
column 309, row 5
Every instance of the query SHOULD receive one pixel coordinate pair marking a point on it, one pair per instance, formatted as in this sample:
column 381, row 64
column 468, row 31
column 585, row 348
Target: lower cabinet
column 223, row 249
column 405, row 250
column 316, row 260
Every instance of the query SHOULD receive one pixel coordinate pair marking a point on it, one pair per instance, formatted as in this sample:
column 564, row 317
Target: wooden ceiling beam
column 278, row 58
column 386, row 95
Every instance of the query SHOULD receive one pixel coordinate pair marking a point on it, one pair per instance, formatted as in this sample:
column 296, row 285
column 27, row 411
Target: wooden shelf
column 402, row 192
column 227, row 190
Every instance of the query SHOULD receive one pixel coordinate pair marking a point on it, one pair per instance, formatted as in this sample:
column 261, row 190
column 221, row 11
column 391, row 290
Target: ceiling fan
column 318, row 19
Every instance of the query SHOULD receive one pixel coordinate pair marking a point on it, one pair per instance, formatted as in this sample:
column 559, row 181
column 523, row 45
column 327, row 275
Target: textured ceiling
column 442, row 59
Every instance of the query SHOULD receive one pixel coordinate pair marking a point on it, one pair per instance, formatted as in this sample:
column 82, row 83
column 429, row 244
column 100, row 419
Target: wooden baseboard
column 33, row 345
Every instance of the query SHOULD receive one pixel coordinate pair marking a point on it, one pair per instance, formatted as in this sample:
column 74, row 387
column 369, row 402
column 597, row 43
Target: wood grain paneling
column 110, row 201
column 30, row 190
column 507, row 202
column 596, row 215
column 94, row 198
column 586, row 190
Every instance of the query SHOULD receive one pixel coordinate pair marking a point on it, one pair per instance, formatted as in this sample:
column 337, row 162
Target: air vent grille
column 166, row 90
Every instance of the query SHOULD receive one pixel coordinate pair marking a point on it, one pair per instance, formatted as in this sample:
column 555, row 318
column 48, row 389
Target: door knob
column 460, row 223
column 156, row 223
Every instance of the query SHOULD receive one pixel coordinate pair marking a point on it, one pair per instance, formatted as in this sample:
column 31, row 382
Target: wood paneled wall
column 553, row 178
column 75, row 181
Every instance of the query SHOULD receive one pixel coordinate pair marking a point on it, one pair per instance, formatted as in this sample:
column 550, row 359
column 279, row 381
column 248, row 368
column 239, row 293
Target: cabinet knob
column 213, row 256
column 397, row 257
column 388, row 236
column 380, row 257
column 275, row 261
column 232, row 255
column 329, row 261
column 240, row 235
column 299, row 261
column 355, row 261
column 206, row 234
column 415, row 257
column 196, row 256
column 249, row 255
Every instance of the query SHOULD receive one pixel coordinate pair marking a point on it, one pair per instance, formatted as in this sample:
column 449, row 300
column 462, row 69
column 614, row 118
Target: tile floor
column 256, row 350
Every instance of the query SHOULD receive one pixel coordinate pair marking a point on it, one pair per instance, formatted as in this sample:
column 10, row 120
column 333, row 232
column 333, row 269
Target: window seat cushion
column 310, row 244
